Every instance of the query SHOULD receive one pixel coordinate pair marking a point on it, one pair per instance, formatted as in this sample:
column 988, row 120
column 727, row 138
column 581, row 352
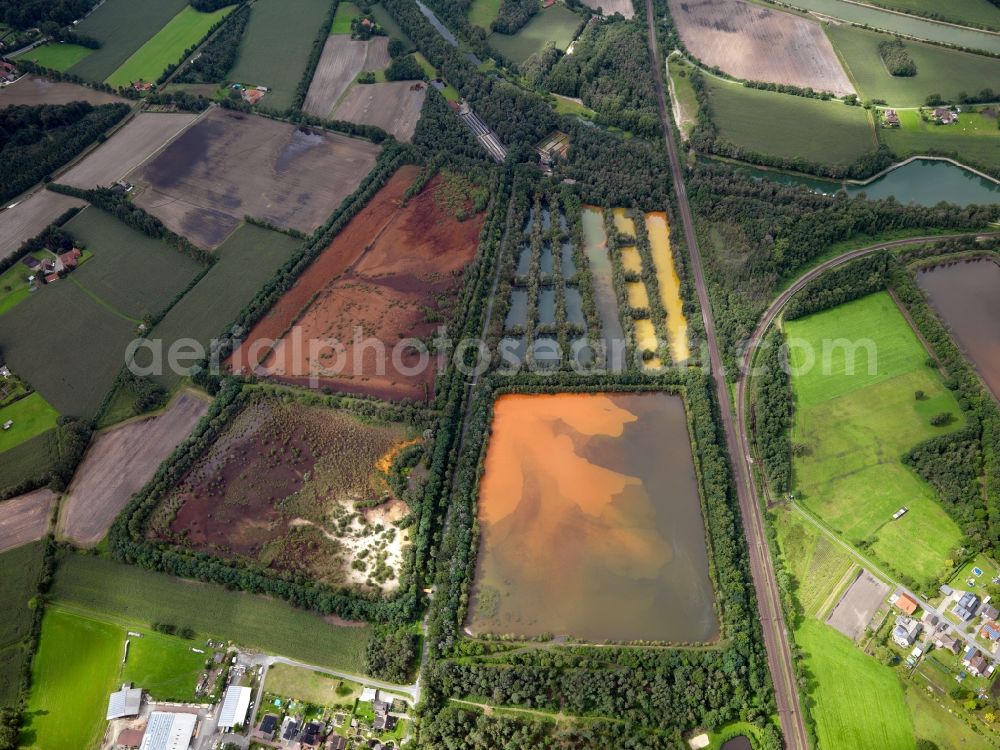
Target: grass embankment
column 939, row 70
column 56, row 56
column 555, row 24
column 184, row 30
column 854, row 427
column 789, row 127
column 133, row 596
column 122, row 27
column 686, row 99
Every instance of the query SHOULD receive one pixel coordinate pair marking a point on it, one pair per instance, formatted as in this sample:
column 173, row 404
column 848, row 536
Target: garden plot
column 297, row 488
column 230, row 165
column 117, row 466
column 29, row 217
column 760, row 44
column 343, row 58
column 126, row 149
column 33, row 90
column 395, row 107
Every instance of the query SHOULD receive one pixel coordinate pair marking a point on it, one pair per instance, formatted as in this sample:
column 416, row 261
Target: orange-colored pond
column 591, row 522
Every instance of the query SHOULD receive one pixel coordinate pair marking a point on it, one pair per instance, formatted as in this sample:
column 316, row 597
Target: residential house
column 989, row 612
column 991, row 630
column 891, row 118
column 948, row 643
column 336, row 743
column 945, row 116
column 975, row 662
column 268, row 726
column 906, row 631
column 289, row 729
column 70, row 258
column 946, row 590
column 904, row 603
column 312, row 735
column 8, row 72
column 966, row 606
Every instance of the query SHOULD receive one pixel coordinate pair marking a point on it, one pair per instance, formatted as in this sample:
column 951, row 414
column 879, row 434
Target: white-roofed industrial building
column 125, row 702
column 168, row 731
column 234, row 707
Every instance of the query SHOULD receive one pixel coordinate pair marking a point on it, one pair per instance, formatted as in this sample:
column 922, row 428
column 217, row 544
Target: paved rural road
column 776, row 639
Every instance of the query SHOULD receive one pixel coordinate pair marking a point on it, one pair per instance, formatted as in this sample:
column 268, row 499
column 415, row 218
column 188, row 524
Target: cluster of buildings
column 54, row 268
column 163, row 730
column 250, row 94
column 945, row 116
column 8, row 73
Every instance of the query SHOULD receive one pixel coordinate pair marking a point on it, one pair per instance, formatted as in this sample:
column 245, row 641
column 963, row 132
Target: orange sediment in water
column 670, row 285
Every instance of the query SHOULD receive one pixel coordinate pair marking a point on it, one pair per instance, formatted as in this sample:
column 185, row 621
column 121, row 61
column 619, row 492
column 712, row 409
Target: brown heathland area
column 230, row 165
column 118, row 464
column 34, row 90
column 760, row 44
column 393, row 106
column 294, row 487
column 25, row 519
column 412, row 266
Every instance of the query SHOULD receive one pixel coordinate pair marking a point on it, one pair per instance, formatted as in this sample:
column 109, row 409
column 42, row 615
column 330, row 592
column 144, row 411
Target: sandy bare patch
column 760, row 44
column 342, row 60
column 394, row 107
column 25, row 519
column 34, row 90
column 129, row 147
column 117, row 465
column 31, row 216
column 610, row 7
column 230, row 165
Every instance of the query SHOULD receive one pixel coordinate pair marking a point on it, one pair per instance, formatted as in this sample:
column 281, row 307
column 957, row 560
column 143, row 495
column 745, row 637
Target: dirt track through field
column 117, row 465
column 31, row 216
column 760, row 44
column 25, row 519
column 34, row 90
column 126, row 149
column 342, row 60
column 394, row 107
column 230, row 165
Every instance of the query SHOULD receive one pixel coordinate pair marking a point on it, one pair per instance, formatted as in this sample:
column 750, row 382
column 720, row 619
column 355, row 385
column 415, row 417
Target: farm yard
column 20, row 569
column 974, row 139
column 855, row 426
column 122, row 27
column 757, row 43
column 246, row 260
column 25, row 519
column 939, row 70
column 133, row 596
column 393, row 106
column 343, row 58
column 127, row 148
column 230, row 165
column 183, row 31
column 117, row 465
column 30, row 216
column 394, row 286
column 276, row 46
column 789, row 127
column 556, row 24
column 33, row 90
column 297, row 488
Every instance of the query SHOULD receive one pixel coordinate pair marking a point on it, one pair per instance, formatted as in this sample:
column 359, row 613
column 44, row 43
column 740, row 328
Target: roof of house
column 129, row 738
column 991, row 630
column 989, row 611
column 905, row 604
column 234, row 706
column 337, row 743
column 269, row 723
column 291, row 730
column 125, row 702
column 168, row 731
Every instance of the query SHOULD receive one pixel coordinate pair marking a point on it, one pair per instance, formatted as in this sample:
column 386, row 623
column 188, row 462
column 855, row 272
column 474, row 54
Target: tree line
column 219, row 55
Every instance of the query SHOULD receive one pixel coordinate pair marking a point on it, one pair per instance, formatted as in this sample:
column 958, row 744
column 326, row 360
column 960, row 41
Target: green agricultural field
column 31, row 416
column 247, row 259
column 122, row 27
column 939, row 70
column 164, row 666
column 19, row 571
column 855, row 427
column 67, row 345
column 131, row 273
column 919, row 28
column 75, row 670
column 59, row 57
column 857, row 703
column 393, row 29
column 276, row 46
column 133, row 596
column 11, row 663
column 184, row 30
column 817, row 564
column 483, row 12
column 310, row 687
column 973, row 140
column 28, row 460
column 346, row 12
column 788, row 126
column 966, row 12
column 556, row 24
